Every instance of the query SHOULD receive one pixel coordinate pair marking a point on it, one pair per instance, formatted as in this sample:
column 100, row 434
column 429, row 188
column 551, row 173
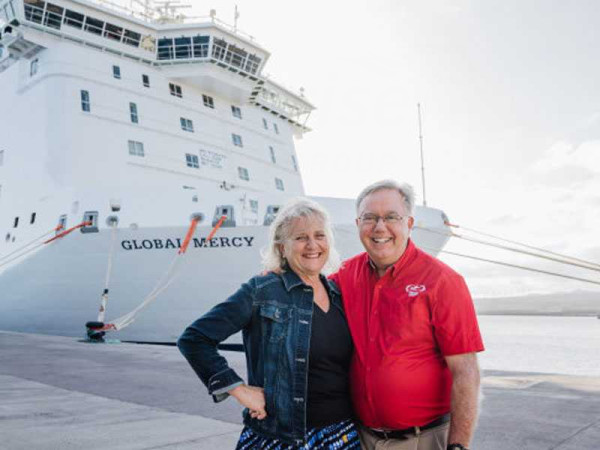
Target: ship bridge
column 208, row 54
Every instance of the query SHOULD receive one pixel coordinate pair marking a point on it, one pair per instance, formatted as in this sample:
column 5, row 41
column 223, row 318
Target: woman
column 296, row 340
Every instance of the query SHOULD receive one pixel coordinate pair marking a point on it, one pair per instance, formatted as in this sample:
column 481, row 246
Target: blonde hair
column 280, row 229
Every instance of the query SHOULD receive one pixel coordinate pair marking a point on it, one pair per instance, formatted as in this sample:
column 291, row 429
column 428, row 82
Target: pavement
column 58, row 393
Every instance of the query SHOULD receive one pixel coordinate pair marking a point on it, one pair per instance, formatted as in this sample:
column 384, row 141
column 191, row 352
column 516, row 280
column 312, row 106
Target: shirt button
column 372, row 339
column 368, row 370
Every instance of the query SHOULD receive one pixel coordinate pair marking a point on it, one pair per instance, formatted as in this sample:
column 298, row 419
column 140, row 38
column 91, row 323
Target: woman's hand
column 253, row 398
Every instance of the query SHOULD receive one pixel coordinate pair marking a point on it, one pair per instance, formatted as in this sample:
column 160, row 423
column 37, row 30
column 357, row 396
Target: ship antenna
column 236, row 16
column 422, row 159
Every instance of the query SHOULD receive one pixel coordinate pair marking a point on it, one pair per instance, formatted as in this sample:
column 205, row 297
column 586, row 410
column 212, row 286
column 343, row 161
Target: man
column 414, row 374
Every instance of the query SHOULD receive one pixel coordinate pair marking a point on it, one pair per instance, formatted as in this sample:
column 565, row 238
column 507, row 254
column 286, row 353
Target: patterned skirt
column 339, row 436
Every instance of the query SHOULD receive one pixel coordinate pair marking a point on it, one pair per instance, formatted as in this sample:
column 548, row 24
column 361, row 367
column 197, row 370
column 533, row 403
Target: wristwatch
column 456, row 446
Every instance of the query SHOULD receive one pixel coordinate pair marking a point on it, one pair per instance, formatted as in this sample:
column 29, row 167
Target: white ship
column 130, row 124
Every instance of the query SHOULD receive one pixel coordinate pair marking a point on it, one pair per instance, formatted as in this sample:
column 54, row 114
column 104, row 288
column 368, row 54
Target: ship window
column 201, row 46
column 165, row 48
column 73, row 19
column 132, row 38
column 208, row 101
column 228, row 212
column 252, row 64
column 146, row 80
column 91, row 219
column 276, row 128
column 254, row 206
column 272, row 211
column 243, row 173
column 219, row 48
column 1, row 157
column 94, row 26
column 117, row 72
column 279, row 184
column 265, row 124
column 85, row 101
column 237, row 140
column 175, row 90
column 53, row 16
column 16, row 224
column 294, row 163
column 34, row 10
column 133, row 112
column 136, row 148
column 183, row 47
column 32, row 221
column 113, row 32
column 186, row 124
column 235, row 56
column 192, row 161
column 236, row 112
column 33, row 68
column 272, row 151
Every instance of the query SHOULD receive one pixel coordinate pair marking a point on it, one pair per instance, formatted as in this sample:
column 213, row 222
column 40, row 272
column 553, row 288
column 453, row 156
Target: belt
column 406, row 432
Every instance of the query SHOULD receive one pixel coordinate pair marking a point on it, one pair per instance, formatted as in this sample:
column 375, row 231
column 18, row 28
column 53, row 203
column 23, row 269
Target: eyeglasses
column 373, row 219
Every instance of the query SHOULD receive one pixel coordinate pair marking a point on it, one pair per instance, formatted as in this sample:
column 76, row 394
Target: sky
column 511, row 115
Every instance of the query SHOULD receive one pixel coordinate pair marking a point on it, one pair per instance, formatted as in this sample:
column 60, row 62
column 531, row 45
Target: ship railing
column 278, row 98
column 154, row 16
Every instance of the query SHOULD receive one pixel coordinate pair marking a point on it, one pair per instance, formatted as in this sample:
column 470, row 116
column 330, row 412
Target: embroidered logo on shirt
column 415, row 289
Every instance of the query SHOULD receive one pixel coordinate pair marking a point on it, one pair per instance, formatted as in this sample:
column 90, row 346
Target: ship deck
column 60, row 393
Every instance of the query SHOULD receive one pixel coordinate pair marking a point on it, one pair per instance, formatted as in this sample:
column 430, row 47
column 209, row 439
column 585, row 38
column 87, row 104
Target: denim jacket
column 274, row 313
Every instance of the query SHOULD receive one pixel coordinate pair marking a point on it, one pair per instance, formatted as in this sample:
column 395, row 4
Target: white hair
column 405, row 190
column 281, row 227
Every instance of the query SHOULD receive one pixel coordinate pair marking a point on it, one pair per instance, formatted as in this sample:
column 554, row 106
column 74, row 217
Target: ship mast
column 422, row 159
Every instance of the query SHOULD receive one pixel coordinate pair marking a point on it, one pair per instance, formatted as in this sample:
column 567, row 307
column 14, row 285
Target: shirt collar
column 395, row 268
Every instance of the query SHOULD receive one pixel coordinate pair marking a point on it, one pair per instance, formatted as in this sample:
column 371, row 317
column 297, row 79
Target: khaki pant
column 432, row 439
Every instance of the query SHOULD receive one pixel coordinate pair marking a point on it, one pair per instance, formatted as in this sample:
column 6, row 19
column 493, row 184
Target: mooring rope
column 39, row 244
column 585, row 280
column 562, row 260
column 499, row 238
column 165, row 281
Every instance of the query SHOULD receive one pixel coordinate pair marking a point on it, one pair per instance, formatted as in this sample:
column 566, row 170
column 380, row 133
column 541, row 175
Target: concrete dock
column 57, row 393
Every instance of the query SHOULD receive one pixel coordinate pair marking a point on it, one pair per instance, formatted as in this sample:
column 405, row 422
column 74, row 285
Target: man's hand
column 465, row 393
column 251, row 397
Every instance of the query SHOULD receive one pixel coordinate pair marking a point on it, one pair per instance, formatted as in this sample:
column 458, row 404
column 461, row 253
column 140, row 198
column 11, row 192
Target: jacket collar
column 292, row 280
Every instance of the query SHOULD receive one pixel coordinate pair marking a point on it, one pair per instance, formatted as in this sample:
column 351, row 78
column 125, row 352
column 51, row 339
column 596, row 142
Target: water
column 559, row 345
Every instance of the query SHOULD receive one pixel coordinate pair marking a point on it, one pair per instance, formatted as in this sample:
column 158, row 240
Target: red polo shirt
column 403, row 324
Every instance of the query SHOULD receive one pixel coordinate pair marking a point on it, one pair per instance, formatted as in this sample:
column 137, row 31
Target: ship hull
column 57, row 289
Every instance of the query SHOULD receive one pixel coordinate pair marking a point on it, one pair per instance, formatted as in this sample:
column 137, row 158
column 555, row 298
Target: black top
column 328, row 368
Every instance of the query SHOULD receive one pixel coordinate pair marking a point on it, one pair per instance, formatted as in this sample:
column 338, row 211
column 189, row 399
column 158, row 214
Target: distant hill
column 576, row 303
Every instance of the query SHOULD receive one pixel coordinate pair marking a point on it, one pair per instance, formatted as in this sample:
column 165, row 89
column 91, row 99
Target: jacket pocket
column 275, row 322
